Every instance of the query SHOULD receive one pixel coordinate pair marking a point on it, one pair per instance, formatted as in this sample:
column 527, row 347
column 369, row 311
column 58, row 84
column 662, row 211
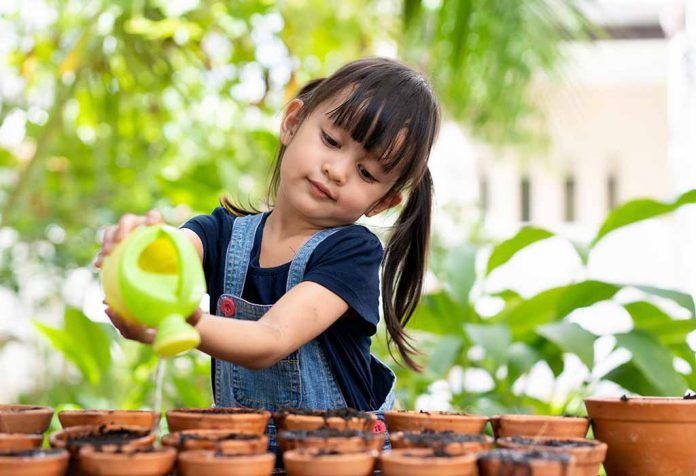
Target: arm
column 299, row 316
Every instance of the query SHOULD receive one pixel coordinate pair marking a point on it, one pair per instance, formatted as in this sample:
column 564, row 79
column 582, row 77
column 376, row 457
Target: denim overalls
column 303, row 379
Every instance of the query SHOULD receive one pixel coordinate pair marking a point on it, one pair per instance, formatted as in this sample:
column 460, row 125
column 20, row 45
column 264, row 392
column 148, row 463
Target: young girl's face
column 325, row 175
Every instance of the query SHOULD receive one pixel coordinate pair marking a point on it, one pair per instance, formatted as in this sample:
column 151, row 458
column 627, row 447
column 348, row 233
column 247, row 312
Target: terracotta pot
column 223, row 440
column 646, row 435
column 44, row 462
column 108, row 437
column 239, row 420
column 588, row 454
column 435, row 421
column 150, row 462
column 426, row 462
column 350, row 441
column 452, row 443
column 524, row 463
column 20, row 441
column 308, row 462
column 24, row 418
column 144, row 418
column 539, row 426
column 210, row 463
column 340, row 419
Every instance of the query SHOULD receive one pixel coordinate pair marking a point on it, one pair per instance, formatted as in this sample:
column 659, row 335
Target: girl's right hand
column 115, row 233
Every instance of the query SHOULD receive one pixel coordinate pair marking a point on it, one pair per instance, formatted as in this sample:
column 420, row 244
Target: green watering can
column 155, row 277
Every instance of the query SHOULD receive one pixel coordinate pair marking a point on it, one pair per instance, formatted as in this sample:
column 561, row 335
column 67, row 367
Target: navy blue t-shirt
column 347, row 263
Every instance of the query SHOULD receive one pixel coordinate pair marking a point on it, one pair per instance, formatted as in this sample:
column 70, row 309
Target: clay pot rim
column 410, row 455
column 21, row 409
column 539, row 418
column 210, row 412
column 21, row 436
column 366, row 435
column 53, row 454
column 297, row 418
column 307, row 455
column 642, row 401
column 155, row 453
column 209, row 456
column 538, row 444
column 483, row 438
column 435, row 415
column 104, row 412
column 59, row 438
column 213, row 432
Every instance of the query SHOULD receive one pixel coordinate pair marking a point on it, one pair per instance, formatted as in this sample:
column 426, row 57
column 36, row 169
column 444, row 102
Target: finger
column 195, row 317
column 126, row 225
column 108, row 240
column 153, row 217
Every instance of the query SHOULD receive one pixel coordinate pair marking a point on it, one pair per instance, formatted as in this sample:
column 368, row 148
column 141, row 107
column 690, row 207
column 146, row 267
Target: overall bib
column 303, row 379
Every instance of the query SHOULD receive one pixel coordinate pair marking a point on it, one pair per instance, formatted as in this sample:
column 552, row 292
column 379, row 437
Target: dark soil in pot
column 455, row 443
column 588, row 454
column 347, row 441
column 223, row 440
column 524, row 463
column 103, row 437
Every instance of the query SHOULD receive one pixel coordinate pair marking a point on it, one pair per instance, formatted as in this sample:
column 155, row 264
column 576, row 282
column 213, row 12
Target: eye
column 328, row 140
column 365, row 174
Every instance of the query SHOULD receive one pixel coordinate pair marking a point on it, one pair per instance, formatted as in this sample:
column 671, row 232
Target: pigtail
column 404, row 267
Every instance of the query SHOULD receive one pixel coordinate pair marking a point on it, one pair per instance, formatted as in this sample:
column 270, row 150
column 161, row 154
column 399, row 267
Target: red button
column 379, row 427
column 227, row 306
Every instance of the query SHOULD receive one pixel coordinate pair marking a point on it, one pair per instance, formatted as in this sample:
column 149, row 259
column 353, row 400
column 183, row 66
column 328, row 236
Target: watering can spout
column 155, row 277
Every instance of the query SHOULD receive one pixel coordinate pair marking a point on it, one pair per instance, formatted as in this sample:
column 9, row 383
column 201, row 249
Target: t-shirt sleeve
column 347, row 263
column 214, row 231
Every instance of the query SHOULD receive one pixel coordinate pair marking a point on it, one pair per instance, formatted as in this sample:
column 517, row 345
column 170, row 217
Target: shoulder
column 219, row 220
column 351, row 239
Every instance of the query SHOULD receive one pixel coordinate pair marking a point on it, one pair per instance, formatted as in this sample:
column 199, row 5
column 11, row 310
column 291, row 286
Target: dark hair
column 384, row 99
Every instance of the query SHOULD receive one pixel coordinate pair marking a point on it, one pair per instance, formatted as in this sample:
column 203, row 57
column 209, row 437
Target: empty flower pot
column 211, row 463
column 223, row 440
column 24, row 418
column 646, row 435
column 155, row 277
column 143, row 418
column 588, row 454
column 452, row 443
column 44, row 462
column 435, row 421
column 339, row 419
column 524, row 463
column 539, row 426
column 427, row 462
column 238, row 420
column 347, row 441
column 316, row 462
column 132, row 462
column 20, row 441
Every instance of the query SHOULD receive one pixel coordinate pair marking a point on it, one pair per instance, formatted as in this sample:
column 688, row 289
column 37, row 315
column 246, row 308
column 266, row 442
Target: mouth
column 320, row 190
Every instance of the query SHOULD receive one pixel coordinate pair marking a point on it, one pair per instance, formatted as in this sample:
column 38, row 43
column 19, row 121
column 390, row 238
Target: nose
column 336, row 169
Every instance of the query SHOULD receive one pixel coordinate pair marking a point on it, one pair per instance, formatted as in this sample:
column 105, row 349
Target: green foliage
column 536, row 329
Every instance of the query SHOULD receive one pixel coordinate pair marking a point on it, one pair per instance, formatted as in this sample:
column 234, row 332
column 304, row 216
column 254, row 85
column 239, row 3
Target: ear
column 384, row 204
column 291, row 121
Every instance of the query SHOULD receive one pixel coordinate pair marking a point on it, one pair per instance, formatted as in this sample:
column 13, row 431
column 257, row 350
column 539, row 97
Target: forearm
column 251, row 344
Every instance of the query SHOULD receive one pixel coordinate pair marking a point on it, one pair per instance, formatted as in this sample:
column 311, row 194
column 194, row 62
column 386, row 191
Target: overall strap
column 299, row 262
column 239, row 252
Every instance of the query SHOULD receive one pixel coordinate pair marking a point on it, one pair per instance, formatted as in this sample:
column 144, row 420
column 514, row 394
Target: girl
column 296, row 289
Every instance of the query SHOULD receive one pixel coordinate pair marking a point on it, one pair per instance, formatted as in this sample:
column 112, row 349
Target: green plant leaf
column 495, row 340
column 445, row 354
column 572, row 338
column 685, row 300
column 89, row 337
column 650, row 318
column 521, row 359
column 502, row 253
column 439, row 314
column 584, row 294
column 638, row 210
column 632, row 379
column 459, row 274
column 63, row 342
column 654, row 361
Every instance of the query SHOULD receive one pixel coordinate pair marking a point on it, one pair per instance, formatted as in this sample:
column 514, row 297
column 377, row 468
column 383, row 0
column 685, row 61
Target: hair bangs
column 383, row 124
